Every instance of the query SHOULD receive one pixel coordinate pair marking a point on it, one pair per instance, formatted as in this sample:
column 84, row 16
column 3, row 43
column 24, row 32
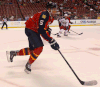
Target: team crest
column 43, row 16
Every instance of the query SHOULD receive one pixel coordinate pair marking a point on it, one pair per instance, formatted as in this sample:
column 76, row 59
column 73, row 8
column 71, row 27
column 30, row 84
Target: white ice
column 50, row 70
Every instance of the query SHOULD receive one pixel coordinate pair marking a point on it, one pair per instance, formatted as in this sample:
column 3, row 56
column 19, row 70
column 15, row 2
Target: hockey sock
column 60, row 31
column 25, row 51
column 34, row 54
column 65, row 33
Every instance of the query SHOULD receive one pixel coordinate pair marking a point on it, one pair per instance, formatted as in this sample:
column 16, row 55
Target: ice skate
column 68, row 32
column 27, row 68
column 58, row 36
column 10, row 55
column 65, row 34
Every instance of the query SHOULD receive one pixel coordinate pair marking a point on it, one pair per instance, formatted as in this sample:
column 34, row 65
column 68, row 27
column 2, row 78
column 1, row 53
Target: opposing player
column 36, row 26
column 64, row 25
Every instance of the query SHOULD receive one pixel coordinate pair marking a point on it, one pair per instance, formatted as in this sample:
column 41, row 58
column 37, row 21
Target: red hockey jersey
column 39, row 23
column 69, row 19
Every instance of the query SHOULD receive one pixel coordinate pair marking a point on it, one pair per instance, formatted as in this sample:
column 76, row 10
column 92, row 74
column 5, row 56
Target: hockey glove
column 71, row 22
column 54, row 44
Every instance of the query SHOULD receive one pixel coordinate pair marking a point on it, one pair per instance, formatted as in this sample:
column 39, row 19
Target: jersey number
column 41, row 22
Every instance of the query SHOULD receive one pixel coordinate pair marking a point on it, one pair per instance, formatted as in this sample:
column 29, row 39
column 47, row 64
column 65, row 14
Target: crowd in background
column 72, row 7
column 76, row 8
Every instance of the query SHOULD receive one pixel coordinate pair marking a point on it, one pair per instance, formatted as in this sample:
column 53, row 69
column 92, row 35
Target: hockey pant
column 35, row 46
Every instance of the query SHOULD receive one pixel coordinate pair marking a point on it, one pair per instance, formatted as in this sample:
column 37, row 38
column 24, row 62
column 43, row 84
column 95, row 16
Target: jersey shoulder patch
column 44, row 16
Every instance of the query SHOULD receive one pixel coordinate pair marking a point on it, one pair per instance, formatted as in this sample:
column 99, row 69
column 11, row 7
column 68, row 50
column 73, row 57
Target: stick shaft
column 74, row 31
column 71, row 68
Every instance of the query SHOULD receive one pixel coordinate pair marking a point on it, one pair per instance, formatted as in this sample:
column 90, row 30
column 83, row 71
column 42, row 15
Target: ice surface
column 50, row 70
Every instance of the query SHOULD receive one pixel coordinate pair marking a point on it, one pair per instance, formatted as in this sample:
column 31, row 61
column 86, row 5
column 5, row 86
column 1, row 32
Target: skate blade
column 8, row 56
column 28, row 72
column 58, row 36
column 65, row 35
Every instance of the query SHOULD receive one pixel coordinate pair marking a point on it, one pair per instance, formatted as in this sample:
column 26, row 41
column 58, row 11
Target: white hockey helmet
column 65, row 15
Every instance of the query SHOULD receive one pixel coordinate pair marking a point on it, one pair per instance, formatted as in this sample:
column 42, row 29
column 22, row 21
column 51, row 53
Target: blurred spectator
column 94, row 16
column 72, row 16
column 31, row 1
column 19, row 19
column 81, row 7
column 38, row 1
column 75, row 17
column 86, row 17
column 26, row 18
column 85, row 1
column 11, row 18
column 0, row 2
column 20, row 0
column 0, row 18
column 75, row 7
column 73, row 1
column 65, row 12
column 98, row 16
column 24, row 0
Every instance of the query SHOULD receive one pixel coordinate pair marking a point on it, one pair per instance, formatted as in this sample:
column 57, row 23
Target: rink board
column 81, row 22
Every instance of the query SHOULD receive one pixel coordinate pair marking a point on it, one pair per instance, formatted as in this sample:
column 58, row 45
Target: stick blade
column 55, row 34
column 81, row 33
column 90, row 83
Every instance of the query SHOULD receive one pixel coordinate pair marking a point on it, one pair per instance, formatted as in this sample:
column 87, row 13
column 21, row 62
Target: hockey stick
column 72, row 31
column 76, row 32
column 54, row 34
column 85, row 83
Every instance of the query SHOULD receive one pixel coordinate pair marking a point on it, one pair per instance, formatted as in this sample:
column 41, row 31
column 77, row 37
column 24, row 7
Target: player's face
column 68, row 15
column 65, row 17
column 54, row 11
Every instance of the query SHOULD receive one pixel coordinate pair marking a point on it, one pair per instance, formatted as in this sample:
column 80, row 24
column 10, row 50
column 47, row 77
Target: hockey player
column 59, row 21
column 63, row 24
column 36, row 26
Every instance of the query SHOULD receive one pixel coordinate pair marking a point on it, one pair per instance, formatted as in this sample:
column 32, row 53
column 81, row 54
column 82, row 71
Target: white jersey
column 64, row 22
column 4, row 20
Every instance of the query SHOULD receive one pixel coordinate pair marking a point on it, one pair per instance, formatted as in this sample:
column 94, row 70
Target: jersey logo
column 43, row 16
